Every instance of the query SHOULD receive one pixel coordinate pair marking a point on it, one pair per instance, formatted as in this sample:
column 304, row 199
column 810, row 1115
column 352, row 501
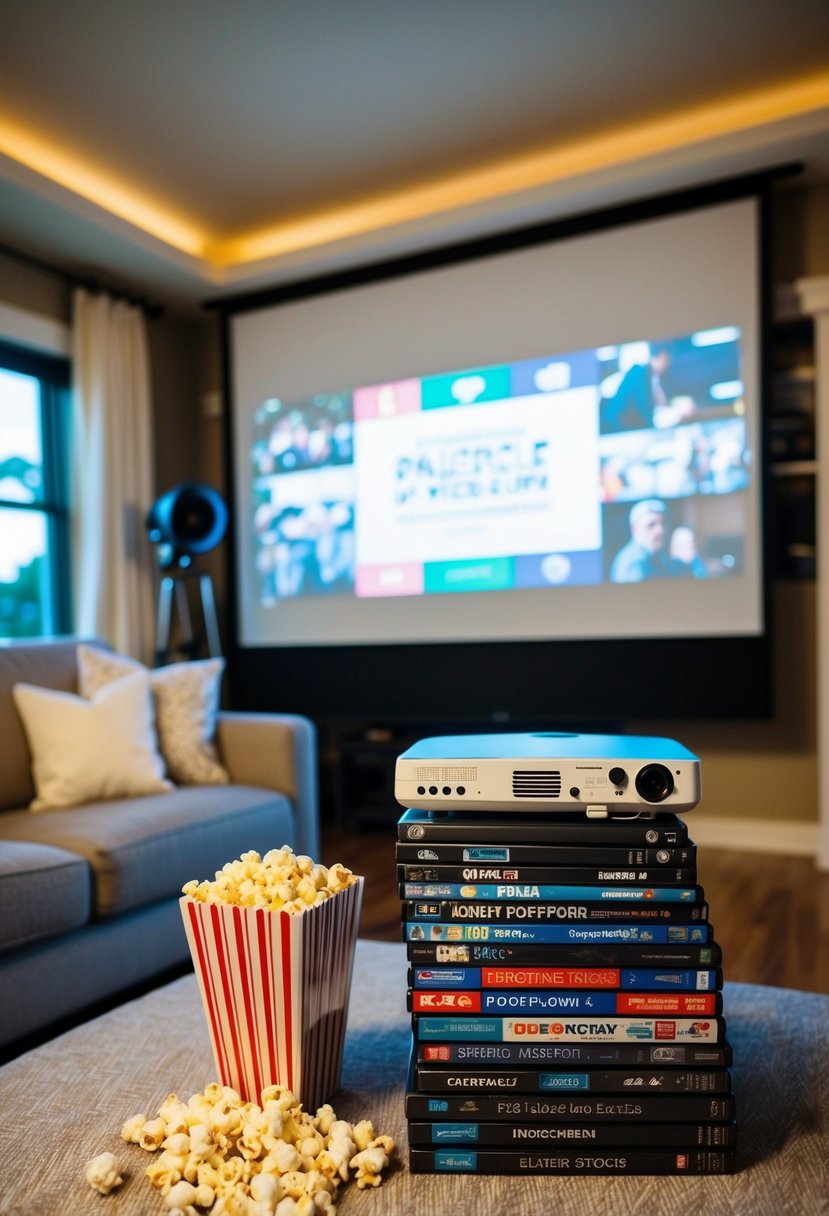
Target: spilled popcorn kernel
column 103, row 1173
column 220, row 1156
column 280, row 881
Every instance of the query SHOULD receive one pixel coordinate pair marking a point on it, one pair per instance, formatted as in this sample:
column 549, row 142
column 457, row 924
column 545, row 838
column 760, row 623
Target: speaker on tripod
column 186, row 522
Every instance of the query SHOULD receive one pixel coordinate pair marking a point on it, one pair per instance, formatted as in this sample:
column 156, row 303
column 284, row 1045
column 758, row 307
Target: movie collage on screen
column 617, row 464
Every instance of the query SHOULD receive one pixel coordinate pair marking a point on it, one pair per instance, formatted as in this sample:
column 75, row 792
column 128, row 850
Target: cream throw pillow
column 87, row 751
column 186, row 699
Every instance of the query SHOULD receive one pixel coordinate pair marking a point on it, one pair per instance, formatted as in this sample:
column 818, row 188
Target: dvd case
column 429, row 1078
column 520, row 911
column 569, row 954
column 566, row 1108
column 419, row 931
column 588, row 1135
column 571, row 828
column 540, row 1161
column 478, row 853
column 685, row 876
column 543, row 1003
column 537, row 891
column 626, row 979
column 563, row 1029
column 570, row 1055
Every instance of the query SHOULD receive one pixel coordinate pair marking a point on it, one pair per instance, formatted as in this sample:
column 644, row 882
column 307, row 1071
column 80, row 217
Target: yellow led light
column 549, row 166
column 554, row 164
column 91, row 184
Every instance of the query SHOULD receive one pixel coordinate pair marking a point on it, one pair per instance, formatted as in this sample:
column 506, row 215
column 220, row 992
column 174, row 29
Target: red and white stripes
column 275, row 991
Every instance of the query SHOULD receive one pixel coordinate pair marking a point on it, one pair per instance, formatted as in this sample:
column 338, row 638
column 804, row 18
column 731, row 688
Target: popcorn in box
column 272, row 942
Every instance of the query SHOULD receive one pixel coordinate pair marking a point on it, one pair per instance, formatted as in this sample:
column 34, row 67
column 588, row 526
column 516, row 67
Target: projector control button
column 574, row 791
column 617, row 776
column 433, row 789
column 421, row 789
column 447, row 790
column 461, row 789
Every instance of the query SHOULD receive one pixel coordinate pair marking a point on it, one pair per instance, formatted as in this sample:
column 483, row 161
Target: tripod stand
column 176, row 588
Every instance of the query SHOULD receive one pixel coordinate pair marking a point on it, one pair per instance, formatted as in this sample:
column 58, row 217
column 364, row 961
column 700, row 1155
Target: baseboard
column 779, row 836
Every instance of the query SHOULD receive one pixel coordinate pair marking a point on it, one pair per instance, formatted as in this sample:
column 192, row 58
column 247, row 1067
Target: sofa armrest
column 278, row 752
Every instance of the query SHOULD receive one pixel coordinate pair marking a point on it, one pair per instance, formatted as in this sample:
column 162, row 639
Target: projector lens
column 654, row 783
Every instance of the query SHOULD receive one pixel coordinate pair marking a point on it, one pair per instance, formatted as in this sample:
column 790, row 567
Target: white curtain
column 112, row 475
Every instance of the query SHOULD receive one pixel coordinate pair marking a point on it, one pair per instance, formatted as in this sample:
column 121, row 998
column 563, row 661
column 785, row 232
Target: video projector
column 548, row 771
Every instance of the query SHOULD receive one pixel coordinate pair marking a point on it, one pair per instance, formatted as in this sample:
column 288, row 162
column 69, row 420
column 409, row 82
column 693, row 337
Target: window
column 34, row 515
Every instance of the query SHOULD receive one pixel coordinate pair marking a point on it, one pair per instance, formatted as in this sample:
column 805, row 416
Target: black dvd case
column 568, row 828
column 583, row 1161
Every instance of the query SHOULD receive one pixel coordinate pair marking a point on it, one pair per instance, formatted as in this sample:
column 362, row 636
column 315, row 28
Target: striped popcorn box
column 275, row 989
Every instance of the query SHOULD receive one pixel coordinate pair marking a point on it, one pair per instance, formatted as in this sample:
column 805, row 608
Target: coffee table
column 64, row 1103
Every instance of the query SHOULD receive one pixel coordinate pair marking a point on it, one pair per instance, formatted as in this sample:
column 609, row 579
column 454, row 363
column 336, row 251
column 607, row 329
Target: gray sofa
column 89, row 894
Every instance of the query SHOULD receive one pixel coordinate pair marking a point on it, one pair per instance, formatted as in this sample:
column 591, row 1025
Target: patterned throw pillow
column 90, row 750
column 186, row 697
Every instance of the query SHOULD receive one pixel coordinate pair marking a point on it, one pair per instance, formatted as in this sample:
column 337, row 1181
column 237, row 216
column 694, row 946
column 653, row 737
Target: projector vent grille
column 528, row 783
column 445, row 772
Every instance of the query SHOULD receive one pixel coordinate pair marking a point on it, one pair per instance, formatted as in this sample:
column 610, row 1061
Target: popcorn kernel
column 280, row 882
column 298, row 1173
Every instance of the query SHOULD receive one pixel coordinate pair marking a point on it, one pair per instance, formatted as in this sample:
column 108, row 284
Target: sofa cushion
column 87, row 750
column 51, row 664
column 186, row 698
column 43, row 891
column 145, row 849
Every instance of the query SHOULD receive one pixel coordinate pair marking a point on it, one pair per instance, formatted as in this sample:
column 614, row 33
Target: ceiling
column 200, row 148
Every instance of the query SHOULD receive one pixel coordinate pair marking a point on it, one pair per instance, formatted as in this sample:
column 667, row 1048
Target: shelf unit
column 791, row 440
column 813, row 296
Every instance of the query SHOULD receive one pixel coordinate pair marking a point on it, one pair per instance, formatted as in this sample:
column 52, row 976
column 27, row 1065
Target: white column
column 814, row 302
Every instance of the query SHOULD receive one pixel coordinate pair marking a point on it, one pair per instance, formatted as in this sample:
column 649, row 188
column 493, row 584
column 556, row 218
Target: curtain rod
column 90, row 282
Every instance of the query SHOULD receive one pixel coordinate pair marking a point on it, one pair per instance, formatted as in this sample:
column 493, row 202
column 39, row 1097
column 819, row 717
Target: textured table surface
column 65, row 1102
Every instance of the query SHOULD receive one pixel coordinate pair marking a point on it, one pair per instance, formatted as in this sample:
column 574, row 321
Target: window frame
column 53, row 373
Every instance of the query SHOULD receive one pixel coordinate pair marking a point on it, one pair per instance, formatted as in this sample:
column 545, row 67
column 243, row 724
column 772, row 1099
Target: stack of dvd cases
column 566, row 1001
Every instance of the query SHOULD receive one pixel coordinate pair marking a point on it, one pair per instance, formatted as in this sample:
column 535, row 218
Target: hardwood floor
column 770, row 914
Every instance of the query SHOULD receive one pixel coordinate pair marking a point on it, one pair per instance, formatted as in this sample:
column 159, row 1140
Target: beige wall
column 764, row 769
column 33, row 290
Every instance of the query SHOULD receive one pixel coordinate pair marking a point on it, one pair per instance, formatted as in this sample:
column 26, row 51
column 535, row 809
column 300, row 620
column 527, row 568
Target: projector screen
column 555, row 443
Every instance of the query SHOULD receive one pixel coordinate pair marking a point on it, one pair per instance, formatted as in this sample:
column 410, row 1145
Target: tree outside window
column 34, row 533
